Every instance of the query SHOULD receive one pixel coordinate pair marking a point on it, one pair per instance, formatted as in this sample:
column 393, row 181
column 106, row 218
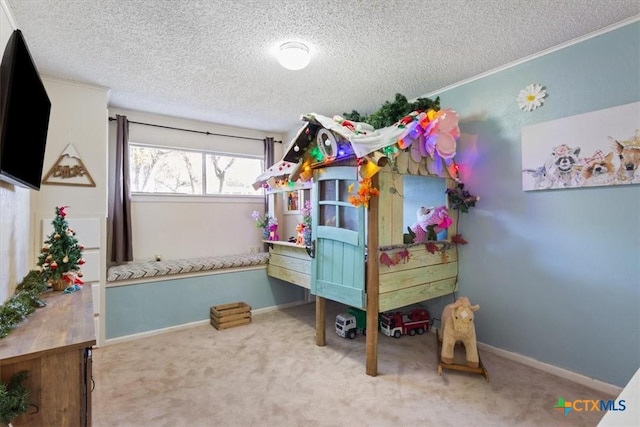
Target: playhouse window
column 335, row 208
column 427, row 191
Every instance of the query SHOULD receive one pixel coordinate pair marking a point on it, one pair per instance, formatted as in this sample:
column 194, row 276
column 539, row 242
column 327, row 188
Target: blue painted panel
column 337, row 172
column 354, row 275
column 146, row 307
column 339, row 234
column 338, row 270
column 338, row 267
column 340, row 293
column 338, row 262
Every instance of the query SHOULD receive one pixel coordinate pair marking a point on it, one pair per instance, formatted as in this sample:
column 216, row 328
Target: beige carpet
column 271, row 373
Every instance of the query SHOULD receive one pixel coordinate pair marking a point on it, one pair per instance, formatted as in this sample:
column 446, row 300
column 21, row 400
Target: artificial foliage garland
column 365, row 192
column 24, row 302
column 421, row 120
column 401, row 256
column 422, row 117
column 391, row 112
column 13, row 398
column 461, row 199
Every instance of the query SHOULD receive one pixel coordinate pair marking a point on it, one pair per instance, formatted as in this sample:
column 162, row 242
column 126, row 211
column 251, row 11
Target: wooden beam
column 321, row 308
column 372, row 285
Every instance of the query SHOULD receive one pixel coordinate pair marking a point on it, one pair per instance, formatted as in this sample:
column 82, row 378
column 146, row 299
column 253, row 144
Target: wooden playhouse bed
column 361, row 258
column 414, row 276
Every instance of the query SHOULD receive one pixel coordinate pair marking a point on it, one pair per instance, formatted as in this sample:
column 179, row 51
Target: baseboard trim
column 550, row 369
column 146, row 334
column 278, row 307
column 554, row 370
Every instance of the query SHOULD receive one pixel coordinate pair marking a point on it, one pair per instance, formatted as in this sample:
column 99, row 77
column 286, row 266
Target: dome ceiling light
column 294, row 55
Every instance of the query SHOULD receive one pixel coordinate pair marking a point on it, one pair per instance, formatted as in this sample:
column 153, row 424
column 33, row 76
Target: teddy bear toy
column 430, row 222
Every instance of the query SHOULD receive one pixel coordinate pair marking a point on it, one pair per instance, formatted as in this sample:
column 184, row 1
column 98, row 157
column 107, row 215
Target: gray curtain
column 120, row 215
column 269, row 146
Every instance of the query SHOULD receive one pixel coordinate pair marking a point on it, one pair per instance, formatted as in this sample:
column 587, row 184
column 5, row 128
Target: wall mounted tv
column 24, row 116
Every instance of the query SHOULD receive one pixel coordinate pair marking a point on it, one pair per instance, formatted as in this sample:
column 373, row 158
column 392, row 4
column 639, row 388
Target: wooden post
column 372, row 284
column 321, row 308
column 453, row 213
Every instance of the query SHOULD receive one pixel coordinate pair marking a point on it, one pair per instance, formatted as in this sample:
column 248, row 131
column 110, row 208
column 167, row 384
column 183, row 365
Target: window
column 335, row 209
column 161, row 170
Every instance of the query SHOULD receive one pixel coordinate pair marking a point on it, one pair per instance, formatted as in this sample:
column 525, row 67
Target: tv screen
column 24, row 116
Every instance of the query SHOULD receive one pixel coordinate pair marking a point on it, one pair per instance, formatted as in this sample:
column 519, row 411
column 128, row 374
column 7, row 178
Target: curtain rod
column 111, row 119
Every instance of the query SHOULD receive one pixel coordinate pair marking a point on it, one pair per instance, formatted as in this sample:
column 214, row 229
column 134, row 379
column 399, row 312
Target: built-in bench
column 143, row 298
column 155, row 269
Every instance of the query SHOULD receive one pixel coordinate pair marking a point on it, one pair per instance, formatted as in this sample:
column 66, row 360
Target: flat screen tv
column 24, row 116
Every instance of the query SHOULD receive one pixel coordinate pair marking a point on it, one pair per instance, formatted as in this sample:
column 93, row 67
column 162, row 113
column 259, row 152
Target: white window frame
column 203, row 197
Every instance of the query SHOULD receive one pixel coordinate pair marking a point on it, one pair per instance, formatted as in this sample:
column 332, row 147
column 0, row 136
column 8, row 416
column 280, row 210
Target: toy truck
column 351, row 323
column 397, row 324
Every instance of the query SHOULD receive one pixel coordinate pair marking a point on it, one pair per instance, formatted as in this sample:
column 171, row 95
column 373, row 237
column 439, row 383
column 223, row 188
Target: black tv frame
column 25, row 109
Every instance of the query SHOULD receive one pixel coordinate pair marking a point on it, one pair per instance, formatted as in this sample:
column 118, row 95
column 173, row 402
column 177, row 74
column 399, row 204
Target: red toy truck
column 397, row 324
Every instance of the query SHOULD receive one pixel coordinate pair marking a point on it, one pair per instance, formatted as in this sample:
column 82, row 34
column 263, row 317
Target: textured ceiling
column 213, row 60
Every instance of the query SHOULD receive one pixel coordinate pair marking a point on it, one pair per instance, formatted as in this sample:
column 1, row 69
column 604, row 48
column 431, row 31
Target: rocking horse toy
column 458, row 326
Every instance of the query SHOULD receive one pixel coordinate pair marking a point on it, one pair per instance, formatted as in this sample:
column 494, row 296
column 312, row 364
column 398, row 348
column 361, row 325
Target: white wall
column 182, row 227
column 15, row 236
column 78, row 117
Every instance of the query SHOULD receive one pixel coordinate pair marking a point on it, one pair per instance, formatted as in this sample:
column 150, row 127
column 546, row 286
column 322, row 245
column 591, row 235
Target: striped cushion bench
column 150, row 269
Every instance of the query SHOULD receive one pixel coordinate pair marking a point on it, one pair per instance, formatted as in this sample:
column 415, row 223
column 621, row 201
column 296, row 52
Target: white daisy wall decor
column 531, row 97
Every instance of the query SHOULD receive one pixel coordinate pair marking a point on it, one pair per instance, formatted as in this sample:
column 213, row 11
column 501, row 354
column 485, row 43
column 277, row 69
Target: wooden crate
column 229, row 315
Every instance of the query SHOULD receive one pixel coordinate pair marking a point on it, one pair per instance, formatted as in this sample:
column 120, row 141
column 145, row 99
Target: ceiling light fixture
column 294, row 55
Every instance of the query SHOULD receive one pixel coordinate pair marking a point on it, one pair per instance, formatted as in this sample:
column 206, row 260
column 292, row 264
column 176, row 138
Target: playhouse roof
column 432, row 134
column 362, row 138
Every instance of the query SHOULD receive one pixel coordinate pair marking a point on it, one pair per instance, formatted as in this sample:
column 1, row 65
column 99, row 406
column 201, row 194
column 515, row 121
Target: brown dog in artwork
column 599, row 170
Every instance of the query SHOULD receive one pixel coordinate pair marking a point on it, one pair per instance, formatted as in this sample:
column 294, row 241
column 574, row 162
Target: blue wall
column 149, row 306
column 556, row 273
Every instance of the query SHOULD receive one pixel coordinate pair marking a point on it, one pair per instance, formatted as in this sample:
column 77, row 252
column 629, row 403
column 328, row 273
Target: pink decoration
column 416, row 155
column 446, row 145
column 273, row 232
column 447, row 120
column 435, row 138
column 438, row 216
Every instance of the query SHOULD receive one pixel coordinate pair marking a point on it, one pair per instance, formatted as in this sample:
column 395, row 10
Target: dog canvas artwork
column 589, row 150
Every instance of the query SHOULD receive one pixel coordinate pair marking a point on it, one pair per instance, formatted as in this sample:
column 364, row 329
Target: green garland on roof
column 23, row 302
column 392, row 112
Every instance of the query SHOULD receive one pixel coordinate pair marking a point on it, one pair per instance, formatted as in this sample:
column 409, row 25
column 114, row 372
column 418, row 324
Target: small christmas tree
column 61, row 255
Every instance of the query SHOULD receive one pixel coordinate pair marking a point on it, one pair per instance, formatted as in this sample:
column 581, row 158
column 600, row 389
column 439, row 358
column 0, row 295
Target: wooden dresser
column 54, row 344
